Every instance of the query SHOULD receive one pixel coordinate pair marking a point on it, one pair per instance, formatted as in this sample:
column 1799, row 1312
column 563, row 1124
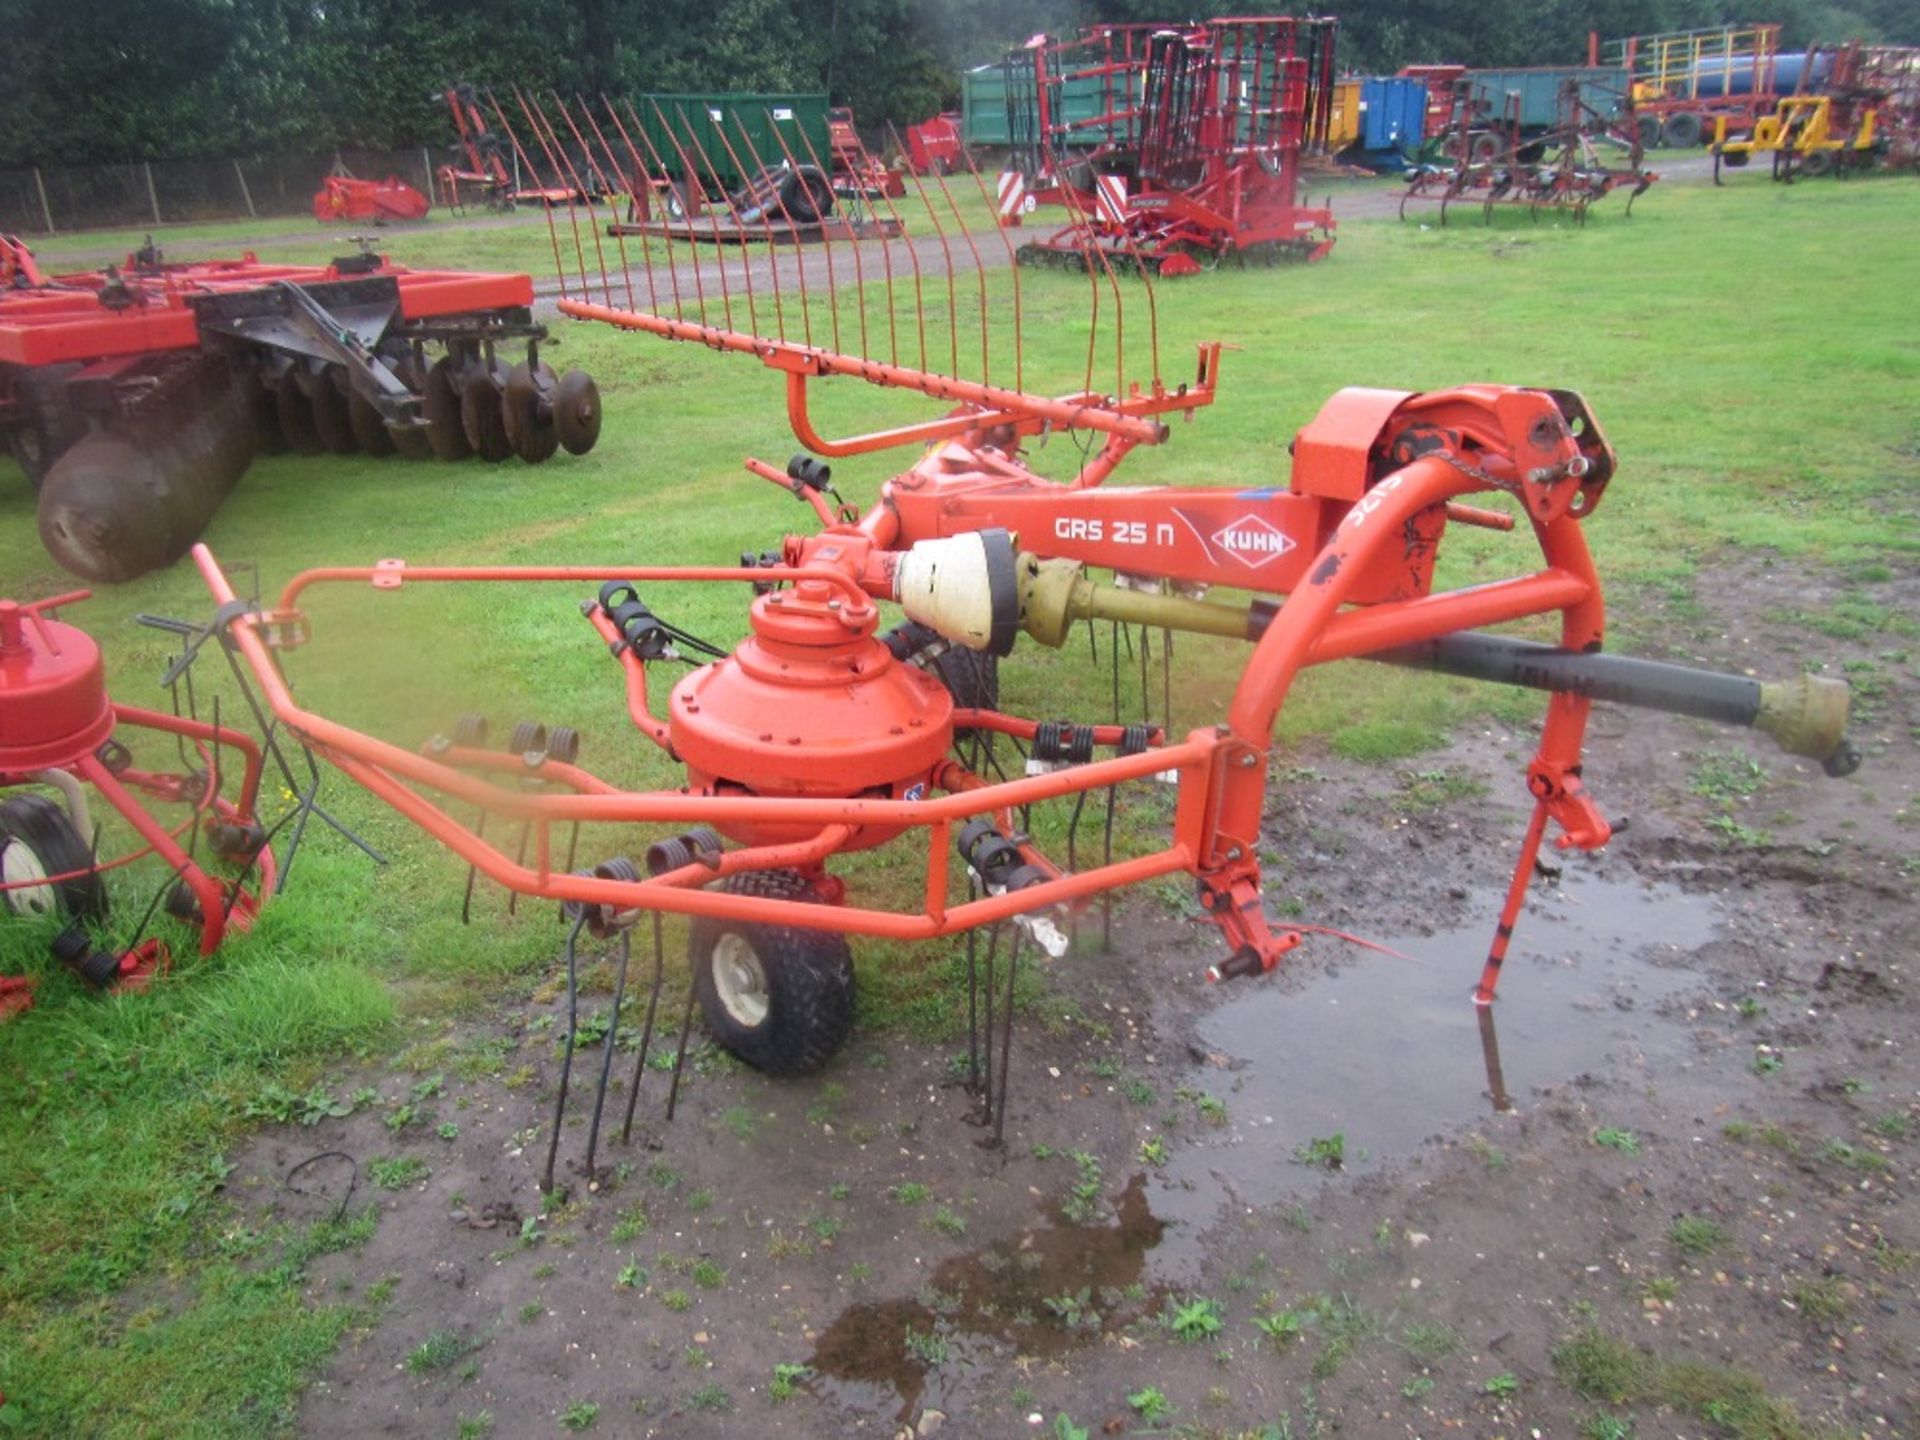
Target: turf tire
column 40, row 828
column 804, row 976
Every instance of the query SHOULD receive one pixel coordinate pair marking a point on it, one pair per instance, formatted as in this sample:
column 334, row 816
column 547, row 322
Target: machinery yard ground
column 1284, row 1207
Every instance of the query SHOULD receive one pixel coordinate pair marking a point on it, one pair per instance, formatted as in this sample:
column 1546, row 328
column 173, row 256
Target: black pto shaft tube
column 1807, row 714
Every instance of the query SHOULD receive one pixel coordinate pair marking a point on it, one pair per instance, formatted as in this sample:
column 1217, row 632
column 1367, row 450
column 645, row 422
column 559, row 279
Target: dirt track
column 1704, row 1036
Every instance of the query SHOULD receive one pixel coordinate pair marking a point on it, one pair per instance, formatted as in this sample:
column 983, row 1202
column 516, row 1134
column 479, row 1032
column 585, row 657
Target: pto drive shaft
column 1806, row 715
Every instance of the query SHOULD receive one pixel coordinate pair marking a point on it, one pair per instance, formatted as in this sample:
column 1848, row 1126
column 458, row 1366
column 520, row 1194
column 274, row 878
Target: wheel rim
column 740, row 981
column 18, row 864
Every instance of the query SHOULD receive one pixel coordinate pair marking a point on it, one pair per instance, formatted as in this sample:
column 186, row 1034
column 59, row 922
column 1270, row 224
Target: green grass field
column 1749, row 351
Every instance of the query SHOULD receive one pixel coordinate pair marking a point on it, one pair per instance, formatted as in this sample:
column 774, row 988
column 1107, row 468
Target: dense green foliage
column 170, row 79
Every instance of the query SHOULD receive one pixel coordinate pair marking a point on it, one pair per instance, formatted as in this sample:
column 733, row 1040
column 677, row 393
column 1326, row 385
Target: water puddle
column 1384, row 1052
column 897, row 1351
column 1387, row 1054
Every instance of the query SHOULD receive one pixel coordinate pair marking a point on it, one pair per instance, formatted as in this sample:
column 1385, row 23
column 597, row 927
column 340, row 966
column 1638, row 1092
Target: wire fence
column 53, row 199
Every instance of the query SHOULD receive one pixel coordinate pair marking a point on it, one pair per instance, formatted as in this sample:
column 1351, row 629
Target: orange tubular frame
column 1221, row 770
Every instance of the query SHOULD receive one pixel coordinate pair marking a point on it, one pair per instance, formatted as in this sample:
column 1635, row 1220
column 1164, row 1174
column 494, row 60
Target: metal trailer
column 1388, row 125
column 1439, row 80
column 134, row 398
column 1686, row 81
column 997, row 103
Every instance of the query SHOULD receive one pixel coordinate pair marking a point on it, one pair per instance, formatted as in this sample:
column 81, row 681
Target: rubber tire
column 809, row 975
column 1484, row 148
column 1816, row 163
column 1647, row 127
column 1682, row 130
column 972, row 677
column 43, row 828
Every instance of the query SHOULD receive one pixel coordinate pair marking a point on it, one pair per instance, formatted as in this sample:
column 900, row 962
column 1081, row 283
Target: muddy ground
column 1690, row 1131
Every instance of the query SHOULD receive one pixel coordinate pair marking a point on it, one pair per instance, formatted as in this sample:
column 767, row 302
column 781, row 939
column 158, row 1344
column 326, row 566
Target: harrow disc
column 480, row 412
column 369, row 430
column 267, row 436
column 526, row 408
column 440, row 404
column 576, row 411
column 293, row 412
column 332, row 421
column 412, row 441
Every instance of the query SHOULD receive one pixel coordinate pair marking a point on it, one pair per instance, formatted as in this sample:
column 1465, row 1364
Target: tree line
column 112, row 80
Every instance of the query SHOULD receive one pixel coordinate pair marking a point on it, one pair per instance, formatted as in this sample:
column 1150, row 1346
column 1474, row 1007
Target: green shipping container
column 720, row 136
column 1602, row 87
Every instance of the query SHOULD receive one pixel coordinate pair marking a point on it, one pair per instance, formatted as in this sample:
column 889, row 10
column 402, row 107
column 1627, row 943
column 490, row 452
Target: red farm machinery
column 1865, row 116
column 1191, row 154
column 859, row 710
column 66, row 749
column 348, row 198
column 1542, row 140
column 135, row 397
column 490, row 169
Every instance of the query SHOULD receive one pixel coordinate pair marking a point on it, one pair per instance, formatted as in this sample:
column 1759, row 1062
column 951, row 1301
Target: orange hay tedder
column 825, row 731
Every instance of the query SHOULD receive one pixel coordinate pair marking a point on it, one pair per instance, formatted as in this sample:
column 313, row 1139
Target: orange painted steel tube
column 1359, row 632
column 806, row 360
column 401, row 575
column 667, row 807
column 636, row 677
column 656, row 895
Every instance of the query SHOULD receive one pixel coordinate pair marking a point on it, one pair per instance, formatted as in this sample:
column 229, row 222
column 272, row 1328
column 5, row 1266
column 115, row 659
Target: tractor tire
column 1647, row 128
column 1817, row 163
column 777, row 996
column 972, row 677
column 1682, row 130
column 1483, row 149
column 37, row 840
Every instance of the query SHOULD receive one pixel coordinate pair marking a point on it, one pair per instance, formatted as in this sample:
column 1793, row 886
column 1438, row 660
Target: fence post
column 426, row 171
column 245, row 193
column 46, row 210
column 152, row 198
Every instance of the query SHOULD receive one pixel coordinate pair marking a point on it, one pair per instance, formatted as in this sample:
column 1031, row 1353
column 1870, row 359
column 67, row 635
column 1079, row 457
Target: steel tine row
column 593, row 153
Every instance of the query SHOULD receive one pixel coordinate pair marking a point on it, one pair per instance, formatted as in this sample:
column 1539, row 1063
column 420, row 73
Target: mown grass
column 1742, row 348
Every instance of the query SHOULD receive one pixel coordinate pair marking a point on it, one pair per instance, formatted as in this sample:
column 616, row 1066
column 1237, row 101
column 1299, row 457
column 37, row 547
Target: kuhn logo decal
column 1252, row 540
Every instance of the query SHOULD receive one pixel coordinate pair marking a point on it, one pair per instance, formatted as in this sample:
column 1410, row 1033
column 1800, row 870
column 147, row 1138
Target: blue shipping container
column 1393, row 113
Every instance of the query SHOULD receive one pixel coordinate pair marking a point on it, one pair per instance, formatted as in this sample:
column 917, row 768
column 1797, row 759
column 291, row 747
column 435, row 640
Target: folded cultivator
column 860, row 711
column 135, row 398
column 1192, row 154
column 1490, row 159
